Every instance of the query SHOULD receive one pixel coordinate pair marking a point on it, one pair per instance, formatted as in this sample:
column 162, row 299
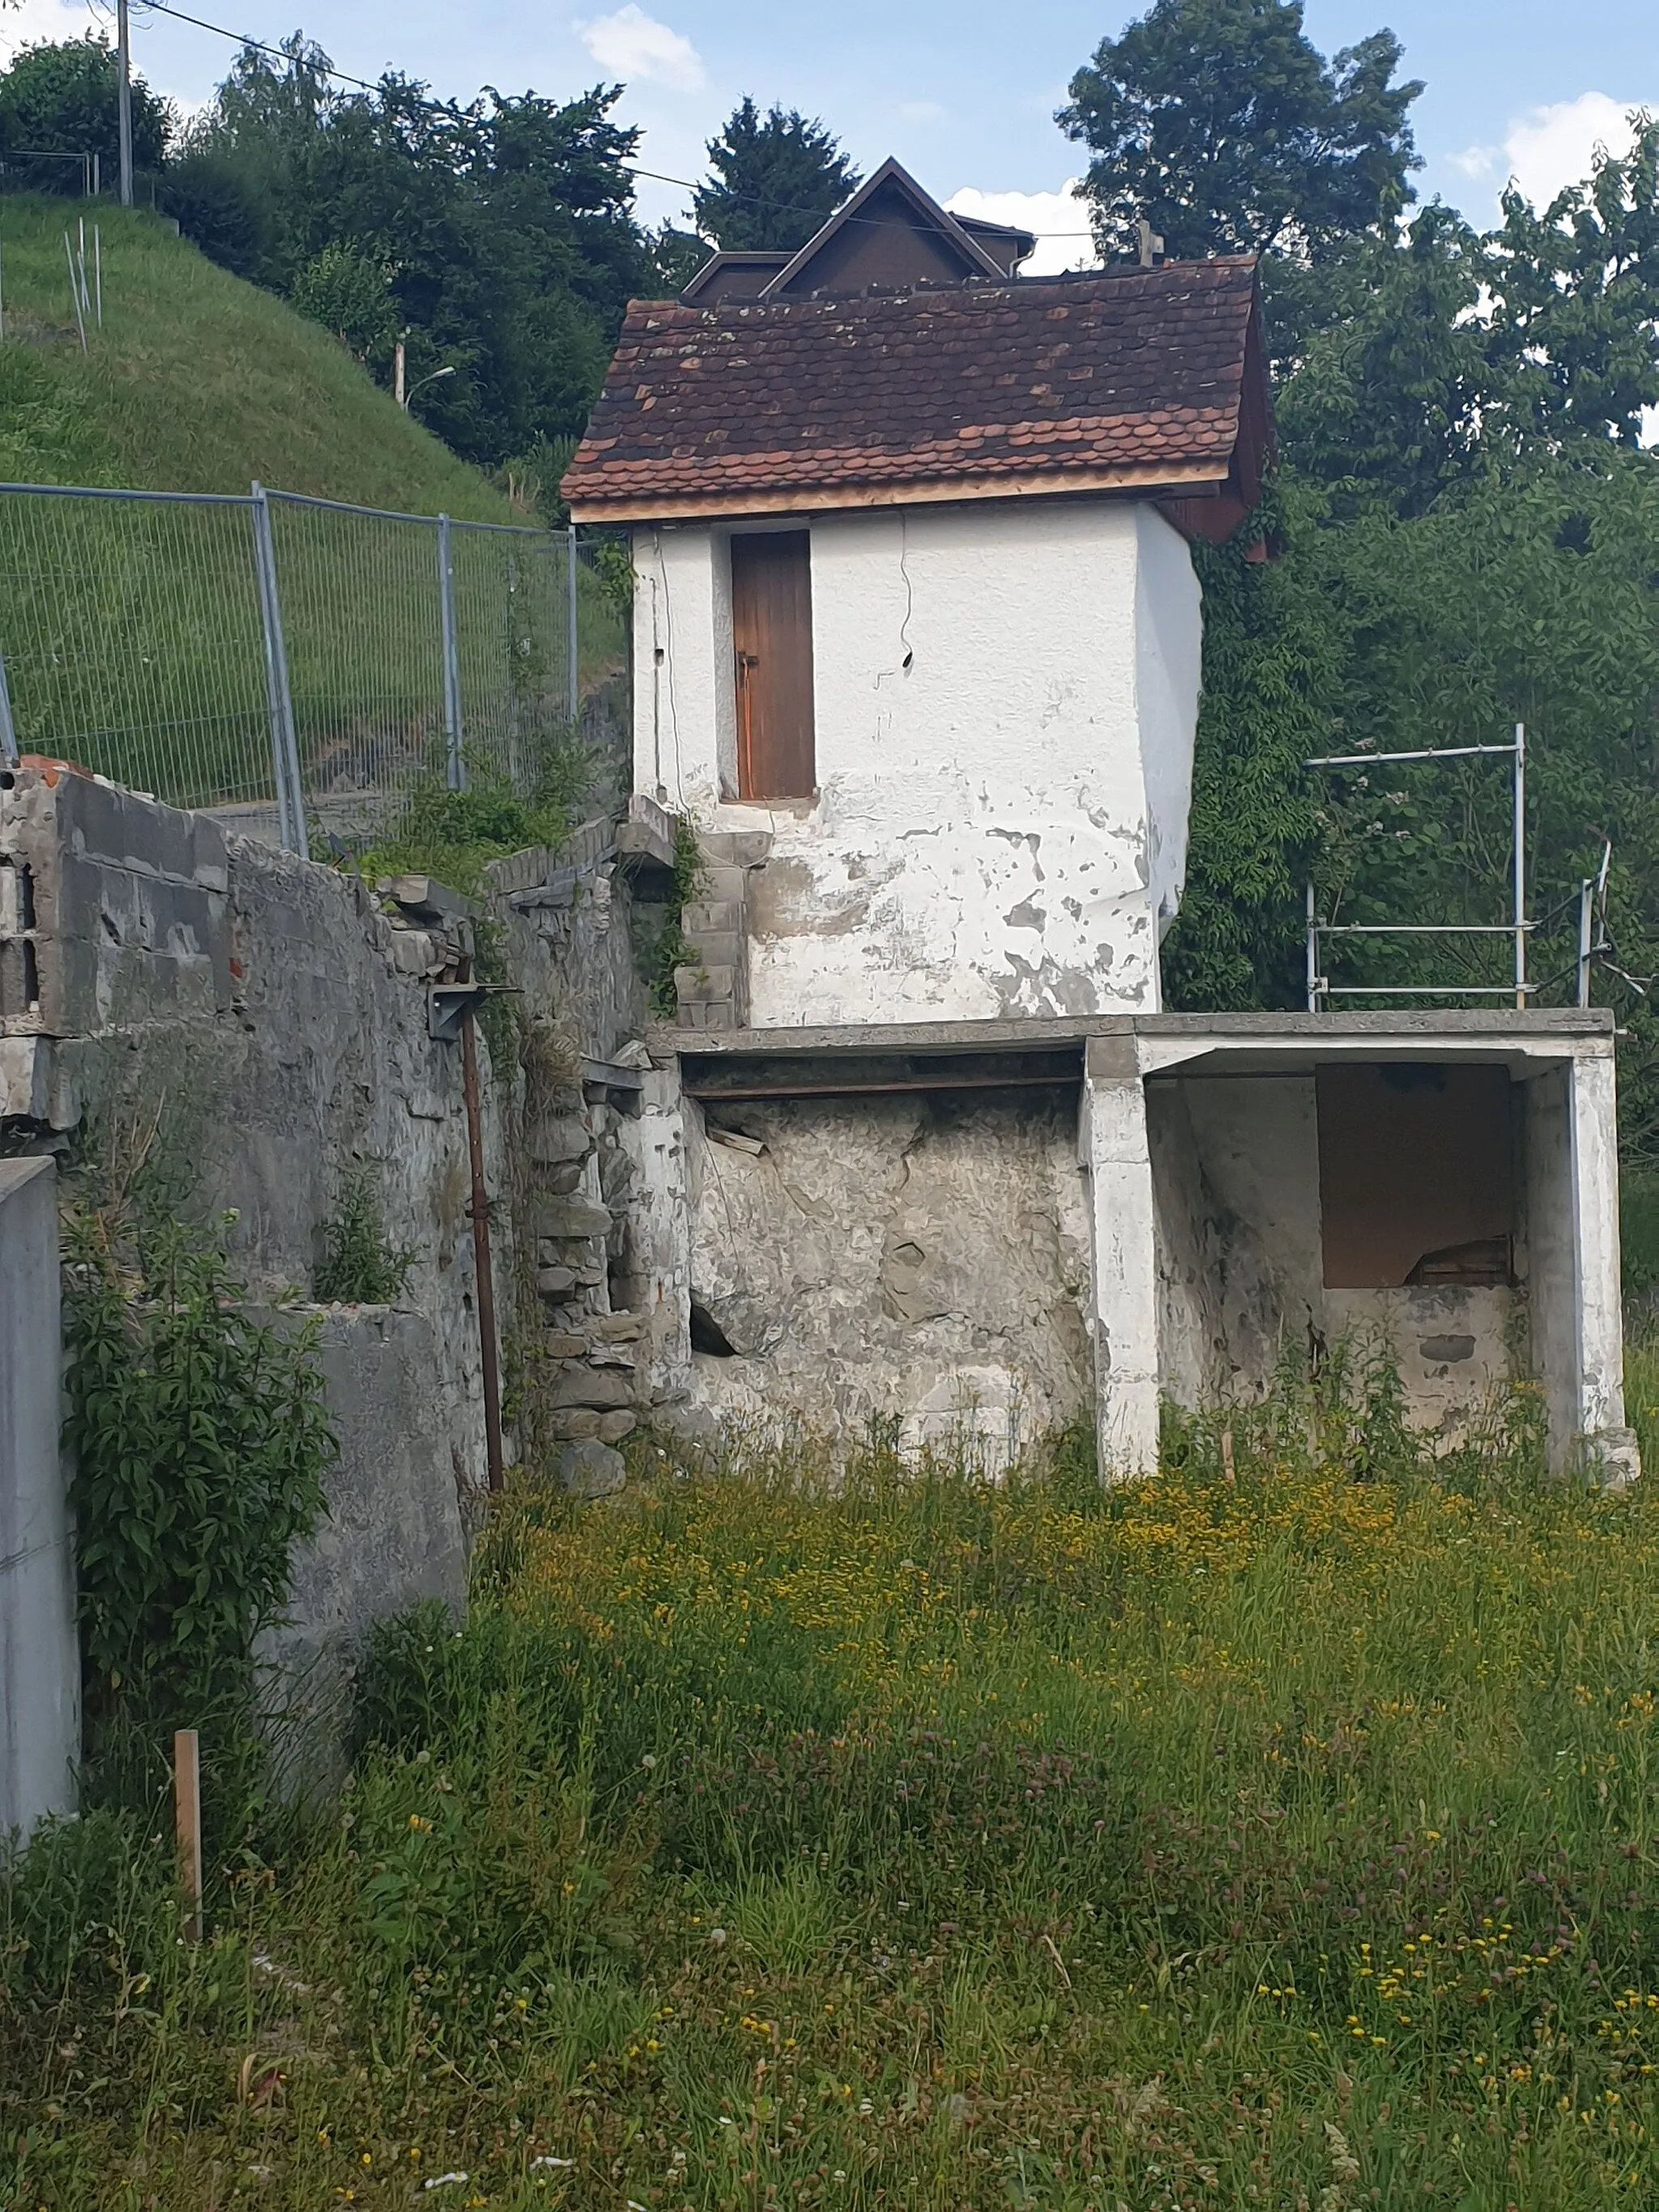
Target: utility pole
column 123, row 94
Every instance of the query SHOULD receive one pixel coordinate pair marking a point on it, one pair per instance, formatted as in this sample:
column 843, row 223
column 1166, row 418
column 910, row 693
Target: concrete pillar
column 1123, row 1289
column 1598, row 1332
column 660, row 1231
column 39, row 1661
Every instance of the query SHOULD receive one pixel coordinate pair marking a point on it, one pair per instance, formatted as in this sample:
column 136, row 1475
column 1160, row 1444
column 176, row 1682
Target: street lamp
column 420, row 381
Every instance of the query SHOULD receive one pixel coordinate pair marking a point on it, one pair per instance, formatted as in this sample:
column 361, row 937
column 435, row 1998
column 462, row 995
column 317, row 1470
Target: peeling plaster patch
column 1026, row 915
column 1447, row 1350
column 789, row 899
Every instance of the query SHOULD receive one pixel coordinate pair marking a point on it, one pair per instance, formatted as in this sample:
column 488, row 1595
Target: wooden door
column 772, row 634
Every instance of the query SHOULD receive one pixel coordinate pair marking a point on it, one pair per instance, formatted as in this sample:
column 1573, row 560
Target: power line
column 439, row 107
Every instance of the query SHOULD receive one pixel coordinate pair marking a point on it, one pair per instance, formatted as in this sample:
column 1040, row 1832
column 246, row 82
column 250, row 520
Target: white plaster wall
column 1243, row 1271
column 1006, row 698
column 1167, row 620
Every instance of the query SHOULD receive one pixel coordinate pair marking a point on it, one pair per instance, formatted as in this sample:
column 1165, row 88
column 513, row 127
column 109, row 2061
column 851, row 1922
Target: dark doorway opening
column 1415, row 1175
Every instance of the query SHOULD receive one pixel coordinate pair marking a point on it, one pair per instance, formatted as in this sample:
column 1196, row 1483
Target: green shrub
column 199, row 1438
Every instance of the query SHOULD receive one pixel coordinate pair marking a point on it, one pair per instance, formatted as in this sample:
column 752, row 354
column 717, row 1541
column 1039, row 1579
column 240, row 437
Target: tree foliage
column 778, row 179
column 498, row 236
column 1468, row 532
column 1221, row 123
column 61, row 98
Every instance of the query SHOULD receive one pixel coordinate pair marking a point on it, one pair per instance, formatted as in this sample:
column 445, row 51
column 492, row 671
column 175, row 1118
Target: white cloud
column 1548, row 147
column 640, row 49
column 1060, row 219
column 36, row 21
column 920, row 111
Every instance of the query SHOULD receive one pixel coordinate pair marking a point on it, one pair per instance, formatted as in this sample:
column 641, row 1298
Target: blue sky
column 963, row 93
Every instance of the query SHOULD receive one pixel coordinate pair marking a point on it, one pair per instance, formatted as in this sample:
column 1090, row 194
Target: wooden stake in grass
column 1227, row 1453
column 187, row 1813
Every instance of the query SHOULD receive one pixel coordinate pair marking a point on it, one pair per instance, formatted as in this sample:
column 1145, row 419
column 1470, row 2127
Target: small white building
column 917, row 649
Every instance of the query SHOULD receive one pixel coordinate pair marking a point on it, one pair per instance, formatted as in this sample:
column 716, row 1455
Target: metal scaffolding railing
column 1320, row 988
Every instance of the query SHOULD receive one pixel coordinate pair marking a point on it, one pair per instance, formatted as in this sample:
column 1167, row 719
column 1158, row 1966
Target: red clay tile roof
column 1138, row 377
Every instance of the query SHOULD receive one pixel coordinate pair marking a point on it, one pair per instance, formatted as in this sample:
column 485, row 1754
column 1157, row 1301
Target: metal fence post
column 284, row 750
column 571, row 600
column 8, row 727
column 455, row 766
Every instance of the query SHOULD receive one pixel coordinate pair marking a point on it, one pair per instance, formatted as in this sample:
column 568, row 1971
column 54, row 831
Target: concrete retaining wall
column 40, row 1667
column 246, row 1032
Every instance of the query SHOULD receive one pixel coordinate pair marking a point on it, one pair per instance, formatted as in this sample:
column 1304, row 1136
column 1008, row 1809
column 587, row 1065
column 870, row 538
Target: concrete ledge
column 1573, row 1028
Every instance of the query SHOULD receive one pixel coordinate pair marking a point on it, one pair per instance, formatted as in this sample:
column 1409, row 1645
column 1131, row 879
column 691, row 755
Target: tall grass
column 794, row 1833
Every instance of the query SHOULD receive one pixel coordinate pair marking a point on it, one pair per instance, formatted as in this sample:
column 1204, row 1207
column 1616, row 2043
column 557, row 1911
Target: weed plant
column 798, row 1831
column 360, row 1266
column 453, row 835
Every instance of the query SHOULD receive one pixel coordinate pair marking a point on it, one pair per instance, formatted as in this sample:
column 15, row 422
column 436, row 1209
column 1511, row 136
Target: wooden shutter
column 772, row 634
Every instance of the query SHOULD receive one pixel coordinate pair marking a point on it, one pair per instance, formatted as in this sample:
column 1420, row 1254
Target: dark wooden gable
column 890, row 235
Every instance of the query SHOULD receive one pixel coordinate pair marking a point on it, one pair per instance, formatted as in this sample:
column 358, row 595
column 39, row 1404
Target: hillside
column 196, row 381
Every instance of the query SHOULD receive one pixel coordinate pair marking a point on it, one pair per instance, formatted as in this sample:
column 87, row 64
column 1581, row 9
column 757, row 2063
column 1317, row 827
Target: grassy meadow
column 1281, row 1832
column 196, row 381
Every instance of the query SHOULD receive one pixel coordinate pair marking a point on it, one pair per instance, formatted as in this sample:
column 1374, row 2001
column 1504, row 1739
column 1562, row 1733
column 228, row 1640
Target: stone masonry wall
column 252, row 1030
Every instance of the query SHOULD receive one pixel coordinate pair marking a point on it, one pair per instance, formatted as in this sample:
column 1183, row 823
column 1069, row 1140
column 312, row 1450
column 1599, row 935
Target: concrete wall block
column 704, row 986
column 719, row 948
column 117, row 941
column 727, row 884
column 26, row 1079
column 701, row 916
column 100, row 822
column 554, row 1139
column 392, row 1530
column 39, row 1661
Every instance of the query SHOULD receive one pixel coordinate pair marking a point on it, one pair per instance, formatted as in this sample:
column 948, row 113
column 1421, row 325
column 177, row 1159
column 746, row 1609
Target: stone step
column 723, row 881
column 705, row 986
column 717, row 948
column 739, row 848
column 699, row 916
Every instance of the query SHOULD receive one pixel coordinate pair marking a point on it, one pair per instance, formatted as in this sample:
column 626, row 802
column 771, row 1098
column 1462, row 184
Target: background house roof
column 1148, row 379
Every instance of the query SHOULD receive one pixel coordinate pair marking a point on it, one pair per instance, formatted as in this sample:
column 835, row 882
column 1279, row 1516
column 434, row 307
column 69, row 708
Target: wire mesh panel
column 131, row 629
column 511, row 649
column 201, row 648
column 361, row 616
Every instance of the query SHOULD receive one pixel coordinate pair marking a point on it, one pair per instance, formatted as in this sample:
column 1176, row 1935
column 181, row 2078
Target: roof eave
column 1146, row 480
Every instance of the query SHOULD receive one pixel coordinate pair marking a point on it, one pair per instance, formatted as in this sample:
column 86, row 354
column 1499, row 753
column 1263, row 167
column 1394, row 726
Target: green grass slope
column 196, row 381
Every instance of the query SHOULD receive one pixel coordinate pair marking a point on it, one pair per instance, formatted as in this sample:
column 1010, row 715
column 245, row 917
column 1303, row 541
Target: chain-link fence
column 296, row 664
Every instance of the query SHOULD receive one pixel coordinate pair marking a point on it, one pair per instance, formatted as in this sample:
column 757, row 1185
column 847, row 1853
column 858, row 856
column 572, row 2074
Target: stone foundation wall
column 920, row 1260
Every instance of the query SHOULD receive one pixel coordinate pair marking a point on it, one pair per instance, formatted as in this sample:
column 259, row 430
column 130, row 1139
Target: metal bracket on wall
column 446, row 1004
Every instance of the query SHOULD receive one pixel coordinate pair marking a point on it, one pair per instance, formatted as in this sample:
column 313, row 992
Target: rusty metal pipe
column 487, row 1351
